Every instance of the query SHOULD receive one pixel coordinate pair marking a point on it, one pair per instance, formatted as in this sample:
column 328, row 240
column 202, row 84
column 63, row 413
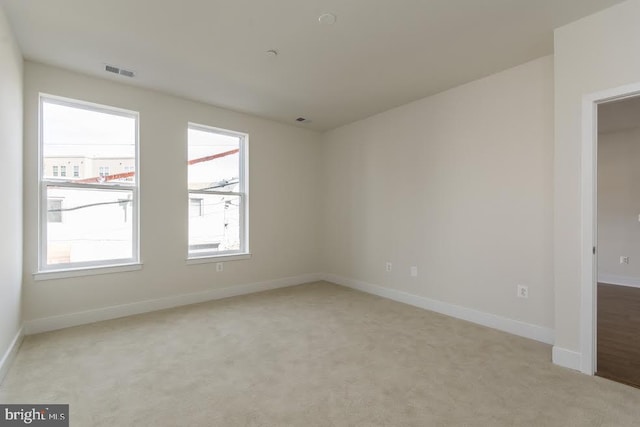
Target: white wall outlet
column 624, row 260
column 220, row 266
column 388, row 267
column 523, row 291
column 414, row 271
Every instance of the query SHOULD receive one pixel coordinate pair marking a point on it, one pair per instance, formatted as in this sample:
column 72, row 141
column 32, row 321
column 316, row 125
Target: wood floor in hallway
column 619, row 333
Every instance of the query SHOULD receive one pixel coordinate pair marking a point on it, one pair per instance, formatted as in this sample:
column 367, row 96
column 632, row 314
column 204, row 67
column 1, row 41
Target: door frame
column 589, row 223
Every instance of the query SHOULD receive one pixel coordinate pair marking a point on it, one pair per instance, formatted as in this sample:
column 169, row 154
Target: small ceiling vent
column 126, row 73
column 120, row 71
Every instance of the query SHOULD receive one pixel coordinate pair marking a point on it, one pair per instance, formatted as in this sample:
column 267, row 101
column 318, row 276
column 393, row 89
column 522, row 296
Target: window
column 217, row 192
column 54, row 210
column 100, row 215
column 129, row 171
column 195, row 207
column 103, row 171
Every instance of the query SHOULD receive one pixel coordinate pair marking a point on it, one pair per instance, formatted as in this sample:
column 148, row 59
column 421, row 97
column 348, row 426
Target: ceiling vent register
column 120, row 71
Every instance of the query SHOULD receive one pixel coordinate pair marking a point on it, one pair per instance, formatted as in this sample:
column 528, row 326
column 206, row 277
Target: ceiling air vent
column 126, row 73
column 121, row 71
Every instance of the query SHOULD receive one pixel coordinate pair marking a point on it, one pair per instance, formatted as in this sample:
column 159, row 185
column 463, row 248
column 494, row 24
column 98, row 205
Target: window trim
column 85, row 267
column 243, row 193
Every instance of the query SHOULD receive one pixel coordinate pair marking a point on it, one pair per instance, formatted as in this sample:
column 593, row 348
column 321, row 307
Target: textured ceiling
column 378, row 55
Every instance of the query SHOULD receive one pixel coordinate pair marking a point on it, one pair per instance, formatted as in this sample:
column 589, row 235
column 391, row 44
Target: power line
column 75, row 208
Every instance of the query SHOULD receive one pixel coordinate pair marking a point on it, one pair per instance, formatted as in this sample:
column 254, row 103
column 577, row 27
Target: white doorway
column 589, row 255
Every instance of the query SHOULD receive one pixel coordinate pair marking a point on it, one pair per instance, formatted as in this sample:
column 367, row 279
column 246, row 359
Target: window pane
column 54, row 210
column 93, row 225
column 87, row 142
column 214, row 161
column 195, row 207
column 218, row 228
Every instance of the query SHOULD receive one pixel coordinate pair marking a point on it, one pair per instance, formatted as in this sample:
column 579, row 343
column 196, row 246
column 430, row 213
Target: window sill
column 87, row 271
column 217, row 258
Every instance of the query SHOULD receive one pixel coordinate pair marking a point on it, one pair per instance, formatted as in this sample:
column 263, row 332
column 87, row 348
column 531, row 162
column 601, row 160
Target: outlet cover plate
column 523, row 291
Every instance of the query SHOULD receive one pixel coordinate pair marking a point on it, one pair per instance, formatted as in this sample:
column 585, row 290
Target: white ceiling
column 378, row 55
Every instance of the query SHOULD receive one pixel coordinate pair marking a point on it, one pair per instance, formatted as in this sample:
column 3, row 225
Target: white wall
column 619, row 206
column 596, row 53
column 11, row 177
column 458, row 184
column 284, row 205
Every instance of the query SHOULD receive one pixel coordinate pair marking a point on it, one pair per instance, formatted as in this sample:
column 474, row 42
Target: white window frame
column 88, row 266
column 243, row 193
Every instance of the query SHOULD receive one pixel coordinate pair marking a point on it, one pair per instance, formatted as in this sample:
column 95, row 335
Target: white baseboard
column 566, row 358
column 10, row 354
column 106, row 313
column 516, row 327
column 633, row 282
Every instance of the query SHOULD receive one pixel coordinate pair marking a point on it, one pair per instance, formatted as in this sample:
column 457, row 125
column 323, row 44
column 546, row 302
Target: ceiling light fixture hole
column 327, row 19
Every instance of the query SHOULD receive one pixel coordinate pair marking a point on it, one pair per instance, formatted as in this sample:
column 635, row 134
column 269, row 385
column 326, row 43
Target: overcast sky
column 71, row 131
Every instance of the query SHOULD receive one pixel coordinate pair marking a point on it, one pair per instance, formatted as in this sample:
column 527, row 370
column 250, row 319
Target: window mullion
column 68, row 184
column 217, row 193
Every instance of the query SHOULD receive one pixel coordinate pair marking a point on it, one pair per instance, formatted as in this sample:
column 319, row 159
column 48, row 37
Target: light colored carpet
column 311, row 355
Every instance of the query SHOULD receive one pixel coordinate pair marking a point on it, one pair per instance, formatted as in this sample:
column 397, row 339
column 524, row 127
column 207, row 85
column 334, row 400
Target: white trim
column 87, row 271
column 88, row 105
column 218, row 258
column 588, row 241
column 10, row 354
column 516, row 327
column 588, row 300
column 566, row 358
column 113, row 312
column 612, row 279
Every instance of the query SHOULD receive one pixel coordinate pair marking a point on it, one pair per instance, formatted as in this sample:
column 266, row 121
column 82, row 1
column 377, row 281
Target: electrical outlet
column 219, row 266
column 523, row 291
column 624, row 260
column 414, row 271
column 389, row 267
